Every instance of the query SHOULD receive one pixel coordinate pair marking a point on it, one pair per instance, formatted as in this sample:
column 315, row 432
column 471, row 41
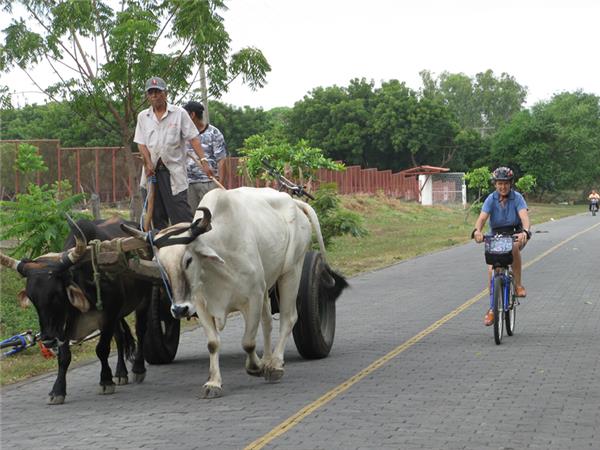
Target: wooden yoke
column 111, row 253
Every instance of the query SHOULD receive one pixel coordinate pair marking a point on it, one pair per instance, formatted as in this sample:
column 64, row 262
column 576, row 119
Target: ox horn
column 142, row 235
column 9, row 262
column 78, row 251
column 204, row 225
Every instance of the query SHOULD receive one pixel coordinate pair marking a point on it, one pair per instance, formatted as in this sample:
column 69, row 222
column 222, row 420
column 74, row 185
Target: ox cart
column 313, row 332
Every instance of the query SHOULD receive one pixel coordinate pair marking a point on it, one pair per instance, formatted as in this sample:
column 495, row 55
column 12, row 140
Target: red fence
column 103, row 170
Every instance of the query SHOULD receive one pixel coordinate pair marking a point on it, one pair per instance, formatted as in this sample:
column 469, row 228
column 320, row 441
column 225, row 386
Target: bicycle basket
column 498, row 250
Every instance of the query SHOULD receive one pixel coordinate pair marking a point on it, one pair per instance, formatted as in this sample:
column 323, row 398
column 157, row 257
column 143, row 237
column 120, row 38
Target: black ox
column 64, row 293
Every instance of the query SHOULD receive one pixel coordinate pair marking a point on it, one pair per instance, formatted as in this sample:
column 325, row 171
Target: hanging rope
column 161, row 269
column 95, row 244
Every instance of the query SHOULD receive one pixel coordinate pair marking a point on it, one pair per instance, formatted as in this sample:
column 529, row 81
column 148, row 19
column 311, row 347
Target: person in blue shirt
column 507, row 212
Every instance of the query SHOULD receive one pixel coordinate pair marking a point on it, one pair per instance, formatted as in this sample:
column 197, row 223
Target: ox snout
column 182, row 311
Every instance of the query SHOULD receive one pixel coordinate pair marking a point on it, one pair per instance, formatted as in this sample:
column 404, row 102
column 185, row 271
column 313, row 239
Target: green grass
column 397, row 230
column 400, row 230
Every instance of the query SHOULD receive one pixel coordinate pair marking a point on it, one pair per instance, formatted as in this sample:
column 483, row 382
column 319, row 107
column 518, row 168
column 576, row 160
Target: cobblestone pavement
column 453, row 389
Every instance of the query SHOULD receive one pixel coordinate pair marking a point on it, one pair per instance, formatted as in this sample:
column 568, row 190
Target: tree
column 336, row 119
column 237, row 124
column 55, row 120
column 478, row 179
column 484, row 102
column 526, row 184
column 298, row 160
column 102, row 56
column 557, row 142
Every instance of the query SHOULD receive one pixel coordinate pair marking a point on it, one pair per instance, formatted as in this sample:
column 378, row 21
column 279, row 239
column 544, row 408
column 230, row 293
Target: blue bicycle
column 503, row 302
column 18, row 343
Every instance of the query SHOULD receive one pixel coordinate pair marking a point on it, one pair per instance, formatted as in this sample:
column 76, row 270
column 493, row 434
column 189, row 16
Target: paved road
column 448, row 387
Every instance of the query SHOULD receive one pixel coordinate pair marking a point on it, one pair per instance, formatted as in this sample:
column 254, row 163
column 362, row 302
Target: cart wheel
column 162, row 332
column 315, row 329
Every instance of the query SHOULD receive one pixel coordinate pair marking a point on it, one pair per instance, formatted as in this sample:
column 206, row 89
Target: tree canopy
column 557, row 141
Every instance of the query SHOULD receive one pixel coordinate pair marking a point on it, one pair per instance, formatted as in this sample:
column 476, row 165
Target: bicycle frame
column 18, row 343
column 507, row 278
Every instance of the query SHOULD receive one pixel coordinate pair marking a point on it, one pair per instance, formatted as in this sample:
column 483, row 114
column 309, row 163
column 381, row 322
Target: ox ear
column 24, row 301
column 210, row 254
column 77, row 298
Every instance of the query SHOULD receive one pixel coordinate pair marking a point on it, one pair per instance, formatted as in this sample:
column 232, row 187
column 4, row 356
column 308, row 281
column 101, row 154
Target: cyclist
column 594, row 197
column 507, row 212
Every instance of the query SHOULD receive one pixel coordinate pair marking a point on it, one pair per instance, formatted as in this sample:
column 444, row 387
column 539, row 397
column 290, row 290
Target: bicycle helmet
column 502, row 174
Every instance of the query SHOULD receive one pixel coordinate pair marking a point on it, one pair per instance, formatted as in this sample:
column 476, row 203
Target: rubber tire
column 510, row 317
column 498, row 308
column 314, row 331
column 162, row 333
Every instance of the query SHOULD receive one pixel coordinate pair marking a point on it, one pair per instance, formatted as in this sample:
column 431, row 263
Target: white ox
column 258, row 238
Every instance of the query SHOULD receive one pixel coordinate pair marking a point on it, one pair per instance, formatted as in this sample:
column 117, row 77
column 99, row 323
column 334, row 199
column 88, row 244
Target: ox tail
column 314, row 221
column 128, row 341
column 332, row 283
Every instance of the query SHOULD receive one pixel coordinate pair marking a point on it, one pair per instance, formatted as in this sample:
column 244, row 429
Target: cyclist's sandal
column 489, row 318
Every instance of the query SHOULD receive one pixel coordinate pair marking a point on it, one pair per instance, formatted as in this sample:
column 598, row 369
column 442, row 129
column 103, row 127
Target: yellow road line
column 293, row 420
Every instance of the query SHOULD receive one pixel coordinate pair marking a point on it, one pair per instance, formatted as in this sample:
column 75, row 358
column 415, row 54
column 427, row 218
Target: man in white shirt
column 161, row 133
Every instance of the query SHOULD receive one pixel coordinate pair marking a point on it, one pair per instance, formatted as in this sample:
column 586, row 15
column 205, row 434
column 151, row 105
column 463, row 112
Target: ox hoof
column 273, row 374
column 139, row 377
column 121, row 381
column 255, row 371
column 273, row 370
column 56, row 399
column 210, row 391
column 107, row 389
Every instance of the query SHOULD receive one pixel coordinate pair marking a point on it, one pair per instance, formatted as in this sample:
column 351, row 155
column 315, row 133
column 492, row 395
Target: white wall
column 426, row 188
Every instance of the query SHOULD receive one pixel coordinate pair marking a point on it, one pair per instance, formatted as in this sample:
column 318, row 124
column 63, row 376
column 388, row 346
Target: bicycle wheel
column 498, row 310
column 12, row 345
column 510, row 316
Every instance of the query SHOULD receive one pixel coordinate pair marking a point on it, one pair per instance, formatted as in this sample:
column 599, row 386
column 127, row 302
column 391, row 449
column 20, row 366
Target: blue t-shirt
column 504, row 215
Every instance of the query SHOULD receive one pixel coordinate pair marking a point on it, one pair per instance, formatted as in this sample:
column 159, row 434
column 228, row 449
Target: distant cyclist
column 507, row 212
column 593, row 198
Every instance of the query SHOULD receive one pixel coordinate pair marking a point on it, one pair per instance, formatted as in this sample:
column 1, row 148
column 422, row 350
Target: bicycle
column 503, row 301
column 18, row 343
column 593, row 206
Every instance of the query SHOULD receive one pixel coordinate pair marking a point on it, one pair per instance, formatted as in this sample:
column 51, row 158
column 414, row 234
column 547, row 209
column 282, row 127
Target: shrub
column 37, row 219
column 334, row 219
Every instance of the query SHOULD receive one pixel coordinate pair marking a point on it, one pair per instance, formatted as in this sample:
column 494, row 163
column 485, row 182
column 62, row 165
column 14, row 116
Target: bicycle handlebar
column 294, row 188
column 492, row 235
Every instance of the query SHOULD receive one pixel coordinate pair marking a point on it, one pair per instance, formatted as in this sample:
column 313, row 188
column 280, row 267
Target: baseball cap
column 156, row 83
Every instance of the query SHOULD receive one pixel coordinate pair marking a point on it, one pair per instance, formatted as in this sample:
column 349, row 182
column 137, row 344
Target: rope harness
column 95, row 244
column 150, row 239
column 161, row 269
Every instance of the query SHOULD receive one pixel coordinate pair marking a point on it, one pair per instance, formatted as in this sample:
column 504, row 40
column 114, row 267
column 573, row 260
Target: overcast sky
column 549, row 46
